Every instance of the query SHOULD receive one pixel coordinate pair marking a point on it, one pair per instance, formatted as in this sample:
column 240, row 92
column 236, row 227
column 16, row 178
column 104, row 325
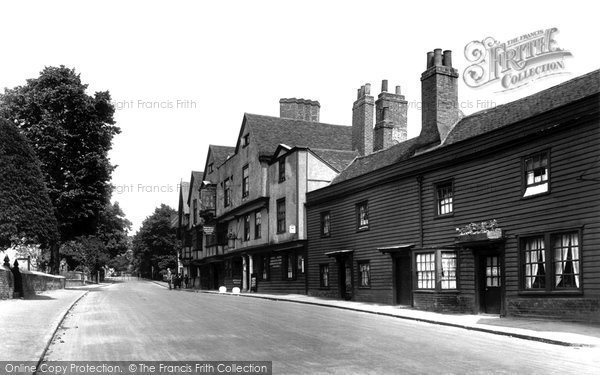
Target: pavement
column 28, row 325
column 547, row 331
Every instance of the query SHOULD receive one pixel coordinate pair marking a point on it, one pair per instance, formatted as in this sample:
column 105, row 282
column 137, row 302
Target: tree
column 112, row 229
column 88, row 251
column 155, row 244
column 26, row 213
column 71, row 132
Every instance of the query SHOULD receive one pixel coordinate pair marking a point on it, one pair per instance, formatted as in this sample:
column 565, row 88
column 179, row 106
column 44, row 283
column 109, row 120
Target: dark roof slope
column 221, row 153
column 379, row 159
column 338, row 159
column 184, row 192
column 269, row 132
column 195, row 180
column 482, row 122
column 509, row 113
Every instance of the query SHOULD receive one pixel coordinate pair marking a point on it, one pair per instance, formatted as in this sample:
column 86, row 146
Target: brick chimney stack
column 362, row 121
column 390, row 118
column 299, row 109
column 439, row 95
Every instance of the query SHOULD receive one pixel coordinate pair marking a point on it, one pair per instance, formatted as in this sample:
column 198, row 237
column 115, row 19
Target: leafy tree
column 88, row 251
column 26, row 213
column 71, row 132
column 155, row 244
column 112, row 229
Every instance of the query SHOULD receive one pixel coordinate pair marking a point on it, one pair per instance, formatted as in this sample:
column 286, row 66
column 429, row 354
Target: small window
column 210, row 168
column 246, row 140
column 257, row 224
column 425, row 270
column 282, row 169
column 247, row 228
column 281, row 216
column 364, row 274
column 536, row 173
column 362, row 216
column 324, row 275
column 245, row 180
column 444, row 198
column 325, row 224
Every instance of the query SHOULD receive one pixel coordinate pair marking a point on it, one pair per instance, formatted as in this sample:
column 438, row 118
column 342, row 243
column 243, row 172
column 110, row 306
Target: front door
column 491, row 284
column 403, row 280
column 345, row 275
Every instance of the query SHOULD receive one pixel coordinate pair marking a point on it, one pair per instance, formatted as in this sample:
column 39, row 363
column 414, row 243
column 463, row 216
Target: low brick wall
column 577, row 309
column 444, row 302
column 33, row 282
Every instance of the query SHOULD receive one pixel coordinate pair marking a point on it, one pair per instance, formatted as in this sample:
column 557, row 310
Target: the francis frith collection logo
column 514, row 63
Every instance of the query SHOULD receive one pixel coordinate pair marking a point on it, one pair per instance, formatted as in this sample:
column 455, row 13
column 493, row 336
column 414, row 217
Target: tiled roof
column 269, row 132
column 483, row 122
column 221, row 153
column 543, row 101
column 195, row 181
column 338, row 159
column 379, row 159
column 184, row 192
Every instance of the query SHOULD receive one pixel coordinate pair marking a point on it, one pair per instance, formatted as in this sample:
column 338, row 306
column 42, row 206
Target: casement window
column 362, row 216
column 536, row 176
column 436, row 269
column 364, row 274
column 227, row 192
column 300, row 259
column 246, row 140
column 281, row 170
column 444, row 198
column 281, row 215
column 257, row 224
column 325, row 224
column 245, row 182
column 247, row 228
column 324, row 275
column 551, row 261
column 289, row 267
column 265, row 267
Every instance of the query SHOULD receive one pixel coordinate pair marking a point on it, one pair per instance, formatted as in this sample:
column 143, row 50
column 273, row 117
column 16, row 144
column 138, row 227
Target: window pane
column 425, row 271
column 448, row 270
column 534, row 265
column 566, row 260
column 536, row 173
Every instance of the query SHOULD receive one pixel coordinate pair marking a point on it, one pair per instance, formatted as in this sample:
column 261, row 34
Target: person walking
column 186, row 280
column 169, row 277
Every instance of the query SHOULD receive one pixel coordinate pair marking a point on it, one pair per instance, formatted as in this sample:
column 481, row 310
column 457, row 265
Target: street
column 140, row 320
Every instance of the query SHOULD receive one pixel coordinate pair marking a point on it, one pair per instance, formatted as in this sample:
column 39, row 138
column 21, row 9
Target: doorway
column 490, row 282
column 403, row 280
column 345, row 277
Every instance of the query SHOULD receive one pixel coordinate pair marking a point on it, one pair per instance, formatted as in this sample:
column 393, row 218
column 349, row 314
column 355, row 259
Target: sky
column 182, row 73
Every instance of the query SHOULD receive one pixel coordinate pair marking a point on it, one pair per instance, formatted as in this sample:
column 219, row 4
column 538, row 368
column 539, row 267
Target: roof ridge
column 296, row 120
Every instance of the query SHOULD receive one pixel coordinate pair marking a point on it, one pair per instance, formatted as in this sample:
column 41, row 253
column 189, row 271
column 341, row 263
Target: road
column 140, row 320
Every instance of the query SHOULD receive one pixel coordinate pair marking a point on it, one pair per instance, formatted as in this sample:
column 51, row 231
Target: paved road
column 144, row 321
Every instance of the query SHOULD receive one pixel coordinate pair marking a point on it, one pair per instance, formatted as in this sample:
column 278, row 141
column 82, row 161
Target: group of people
column 175, row 280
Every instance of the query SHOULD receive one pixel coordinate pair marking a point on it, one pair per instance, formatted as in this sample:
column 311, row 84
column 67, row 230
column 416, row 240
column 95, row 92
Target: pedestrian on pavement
column 186, row 280
column 169, row 277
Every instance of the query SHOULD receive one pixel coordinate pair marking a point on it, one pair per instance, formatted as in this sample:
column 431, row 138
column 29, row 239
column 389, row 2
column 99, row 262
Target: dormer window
column 245, row 140
column 282, row 169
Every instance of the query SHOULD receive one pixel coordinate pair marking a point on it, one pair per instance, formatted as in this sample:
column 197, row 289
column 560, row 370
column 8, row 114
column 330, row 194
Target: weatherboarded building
column 496, row 212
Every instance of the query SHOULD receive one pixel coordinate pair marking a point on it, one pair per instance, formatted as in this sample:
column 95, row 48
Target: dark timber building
column 495, row 212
